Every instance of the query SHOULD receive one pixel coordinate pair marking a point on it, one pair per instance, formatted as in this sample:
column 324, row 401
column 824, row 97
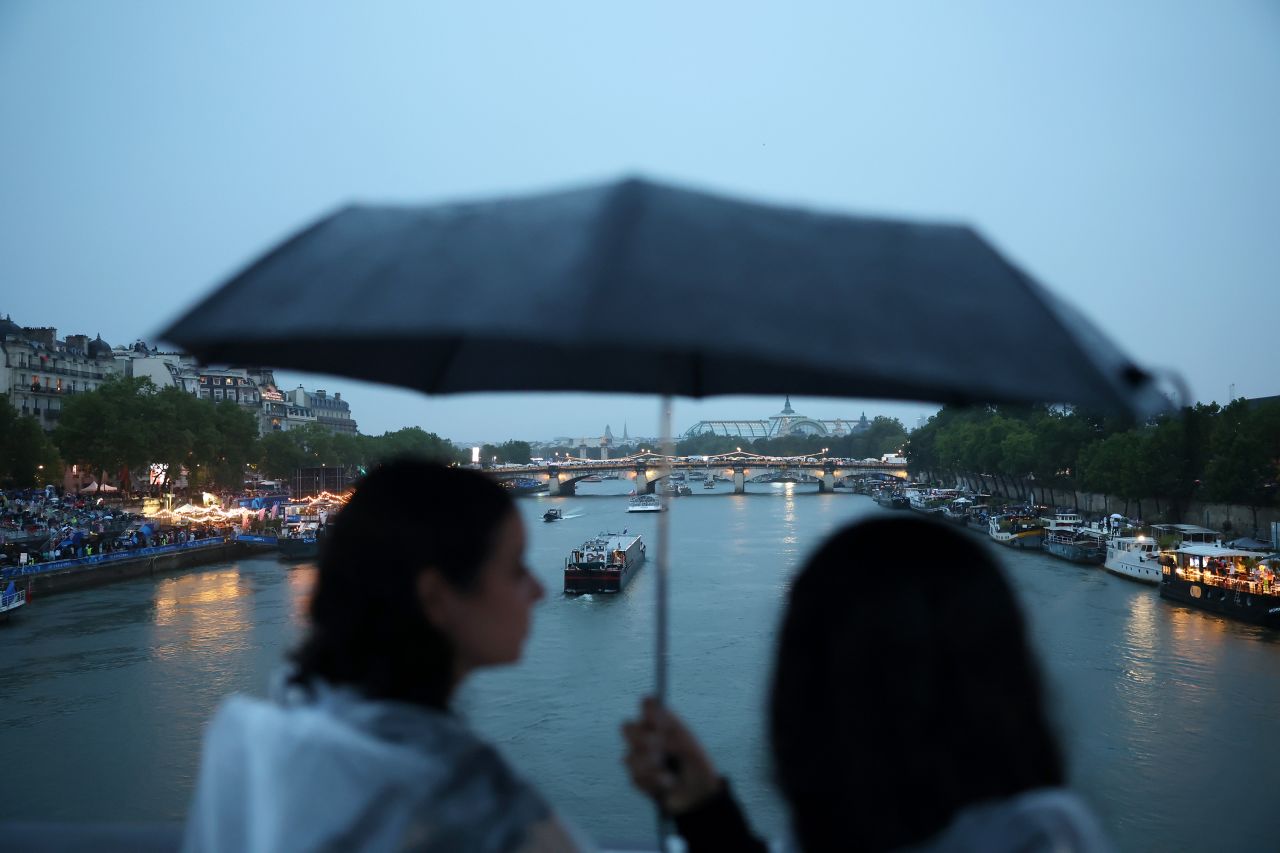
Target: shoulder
column 1049, row 819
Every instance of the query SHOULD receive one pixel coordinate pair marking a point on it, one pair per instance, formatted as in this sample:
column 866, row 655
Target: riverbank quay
column 1232, row 519
column 64, row 575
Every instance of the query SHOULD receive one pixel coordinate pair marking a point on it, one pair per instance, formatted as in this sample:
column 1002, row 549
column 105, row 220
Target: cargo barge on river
column 603, row 564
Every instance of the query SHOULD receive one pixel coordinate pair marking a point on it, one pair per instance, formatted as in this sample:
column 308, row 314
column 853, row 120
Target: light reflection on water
column 1166, row 712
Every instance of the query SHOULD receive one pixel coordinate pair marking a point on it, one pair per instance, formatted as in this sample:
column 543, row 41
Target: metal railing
column 112, row 557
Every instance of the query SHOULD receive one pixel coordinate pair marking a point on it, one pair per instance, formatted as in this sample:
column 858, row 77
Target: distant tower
column 626, row 439
column 786, row 407
column 605, row 441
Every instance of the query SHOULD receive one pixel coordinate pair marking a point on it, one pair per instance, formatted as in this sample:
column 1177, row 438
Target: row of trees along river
column 129, row 424
column 1222, row 454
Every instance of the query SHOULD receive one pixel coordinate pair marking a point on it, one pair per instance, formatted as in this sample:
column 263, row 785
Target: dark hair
column 368, row 629
column 904, row 688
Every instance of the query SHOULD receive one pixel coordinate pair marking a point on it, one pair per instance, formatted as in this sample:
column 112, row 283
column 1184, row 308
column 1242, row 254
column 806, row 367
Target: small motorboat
column 553, row 514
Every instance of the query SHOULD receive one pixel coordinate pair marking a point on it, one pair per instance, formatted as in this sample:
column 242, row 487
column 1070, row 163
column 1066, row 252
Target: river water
column 1169, row 715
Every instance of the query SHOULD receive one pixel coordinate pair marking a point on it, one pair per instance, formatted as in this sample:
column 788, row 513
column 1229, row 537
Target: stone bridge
column 648, row 469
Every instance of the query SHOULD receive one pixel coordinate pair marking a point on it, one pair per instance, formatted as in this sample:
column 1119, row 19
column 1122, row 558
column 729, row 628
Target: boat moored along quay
column 1067, row 537
column 603, row 564
column 1017, row 530
column 1229, row 581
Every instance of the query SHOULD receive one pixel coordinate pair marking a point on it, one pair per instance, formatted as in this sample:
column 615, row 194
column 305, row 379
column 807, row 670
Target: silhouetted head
column 421, row 579
column 904, row 688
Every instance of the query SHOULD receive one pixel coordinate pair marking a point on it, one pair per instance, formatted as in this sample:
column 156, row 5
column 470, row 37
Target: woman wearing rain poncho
column 358, row 749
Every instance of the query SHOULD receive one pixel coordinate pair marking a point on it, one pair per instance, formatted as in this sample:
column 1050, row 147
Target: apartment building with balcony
column 40, row 370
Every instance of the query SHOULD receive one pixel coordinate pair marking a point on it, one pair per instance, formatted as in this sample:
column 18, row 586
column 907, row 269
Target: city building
column 164, row 369
column 40, row 371
column 785, row 423
column 331, row 412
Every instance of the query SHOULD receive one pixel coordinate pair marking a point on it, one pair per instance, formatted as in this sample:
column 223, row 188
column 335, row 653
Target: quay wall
column 85, row 575
column 1237, row 519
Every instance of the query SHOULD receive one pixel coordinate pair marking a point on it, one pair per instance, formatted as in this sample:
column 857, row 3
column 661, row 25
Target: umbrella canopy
column 613, row 288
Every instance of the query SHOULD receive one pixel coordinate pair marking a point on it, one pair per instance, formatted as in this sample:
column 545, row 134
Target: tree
column 708, row 444
column 279, row 455
column 108, row 429
column 27, row 456
column 181, row 432
column 412, row 441
column 235, row 444
column 1244, row 448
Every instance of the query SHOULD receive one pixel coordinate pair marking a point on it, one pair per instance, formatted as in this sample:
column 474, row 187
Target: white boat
column 1136, row 557
column 709, row 483
column 645, row 503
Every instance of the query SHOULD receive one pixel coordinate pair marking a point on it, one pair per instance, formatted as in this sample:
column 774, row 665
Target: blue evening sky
column 1126, row 154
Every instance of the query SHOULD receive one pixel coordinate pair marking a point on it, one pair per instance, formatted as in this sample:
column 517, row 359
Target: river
column 1168, row 714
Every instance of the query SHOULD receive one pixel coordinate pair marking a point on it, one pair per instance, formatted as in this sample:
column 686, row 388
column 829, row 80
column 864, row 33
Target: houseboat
column 1067, row 537
column 1233, row 582
column 603, row 564
column 1016, row 530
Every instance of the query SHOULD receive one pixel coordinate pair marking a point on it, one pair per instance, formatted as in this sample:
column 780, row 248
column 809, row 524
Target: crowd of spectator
column 48, row 525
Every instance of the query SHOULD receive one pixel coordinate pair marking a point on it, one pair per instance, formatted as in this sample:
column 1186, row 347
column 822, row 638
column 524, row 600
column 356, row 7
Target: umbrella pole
column 663, row 549
column 661, row 631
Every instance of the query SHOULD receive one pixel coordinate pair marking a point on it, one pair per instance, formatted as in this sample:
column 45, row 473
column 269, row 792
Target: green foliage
column 508, row 453
column 279, row 455
column 411, row 441
column 128, row 424
column 708, row 444
column 112, row 428
column 27, row 456
column 1231, row 455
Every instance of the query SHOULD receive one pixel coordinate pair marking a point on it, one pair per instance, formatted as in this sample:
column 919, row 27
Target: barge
column 603, row 564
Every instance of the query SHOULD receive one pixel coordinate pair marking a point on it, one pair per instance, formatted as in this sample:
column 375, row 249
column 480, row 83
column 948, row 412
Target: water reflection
column 301, row 580
column 789, row 538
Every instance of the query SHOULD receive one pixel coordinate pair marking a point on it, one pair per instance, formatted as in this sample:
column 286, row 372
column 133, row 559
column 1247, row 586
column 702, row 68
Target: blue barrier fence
column 113, row 557
column 254, row 538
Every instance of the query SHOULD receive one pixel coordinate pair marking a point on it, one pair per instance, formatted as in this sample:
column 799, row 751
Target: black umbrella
column 640, row 287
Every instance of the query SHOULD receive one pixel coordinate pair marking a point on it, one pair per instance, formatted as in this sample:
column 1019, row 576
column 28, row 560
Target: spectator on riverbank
column 906, row 712
column 421, row 581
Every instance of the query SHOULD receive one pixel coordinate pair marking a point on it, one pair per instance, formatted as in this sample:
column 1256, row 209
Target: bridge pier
column 739, row 481
column 561, row 488
column 827, row 484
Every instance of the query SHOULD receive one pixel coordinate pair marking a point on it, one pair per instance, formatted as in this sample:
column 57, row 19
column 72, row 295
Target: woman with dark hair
column 421, row 580
column 906, row 712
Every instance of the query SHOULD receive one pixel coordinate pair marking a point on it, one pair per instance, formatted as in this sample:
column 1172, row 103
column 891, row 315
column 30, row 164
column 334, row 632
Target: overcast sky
column 1126, row 154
